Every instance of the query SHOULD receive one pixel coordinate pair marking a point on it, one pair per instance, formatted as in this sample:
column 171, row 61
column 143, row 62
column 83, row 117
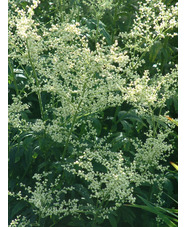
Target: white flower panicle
column 81, row 83
column 153, row 22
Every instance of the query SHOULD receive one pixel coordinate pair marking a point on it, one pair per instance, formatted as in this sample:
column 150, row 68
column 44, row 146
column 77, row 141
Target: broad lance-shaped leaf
column 160, row 212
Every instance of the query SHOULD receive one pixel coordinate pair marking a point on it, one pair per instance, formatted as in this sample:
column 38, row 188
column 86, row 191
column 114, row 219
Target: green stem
column 53, row 224
column 155, row 124
column 14, row 80
column 73, row 122
column 61, row 10
column 97, row 30
column 36, row 80
column 115, row 19
column 98, row 209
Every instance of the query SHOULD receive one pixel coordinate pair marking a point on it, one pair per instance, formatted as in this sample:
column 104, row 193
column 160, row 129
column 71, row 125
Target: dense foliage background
column 93, row 113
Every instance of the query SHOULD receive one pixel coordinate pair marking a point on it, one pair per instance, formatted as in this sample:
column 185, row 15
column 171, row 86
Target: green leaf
column 83, row 192
column 99, row 167
column 17, row 208
column 118, row 140
column 128, row 215
column 97, row 125
column 76, row 222
column 159, row 211
column 130, row 115
column 112, row 220
column 18, row 154
column 126, row 126
column 155, row 49
column 168, row 186
column 105, row 33
column 42, row 165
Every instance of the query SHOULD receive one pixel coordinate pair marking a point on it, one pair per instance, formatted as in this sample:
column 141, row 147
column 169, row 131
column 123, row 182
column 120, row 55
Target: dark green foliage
column 32, row 152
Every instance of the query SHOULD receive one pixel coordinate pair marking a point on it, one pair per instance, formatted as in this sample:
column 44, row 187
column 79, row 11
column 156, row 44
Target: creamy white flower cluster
column 153, row 22
column 15, row 111
column 81, row 82
column 147, row 93
column 111, row 180
column 99, row 6
column 24, row 22
column 149, row 160
column 111, row 183
column 155, row 149
column 46, row 199
column 19, row 221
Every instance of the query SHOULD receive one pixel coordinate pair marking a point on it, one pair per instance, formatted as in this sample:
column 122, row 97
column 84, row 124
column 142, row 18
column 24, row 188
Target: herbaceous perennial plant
column 63, row 167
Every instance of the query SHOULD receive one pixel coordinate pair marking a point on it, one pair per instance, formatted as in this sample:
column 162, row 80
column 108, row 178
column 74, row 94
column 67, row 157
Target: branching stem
column 36, row 80
column 73, row 122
